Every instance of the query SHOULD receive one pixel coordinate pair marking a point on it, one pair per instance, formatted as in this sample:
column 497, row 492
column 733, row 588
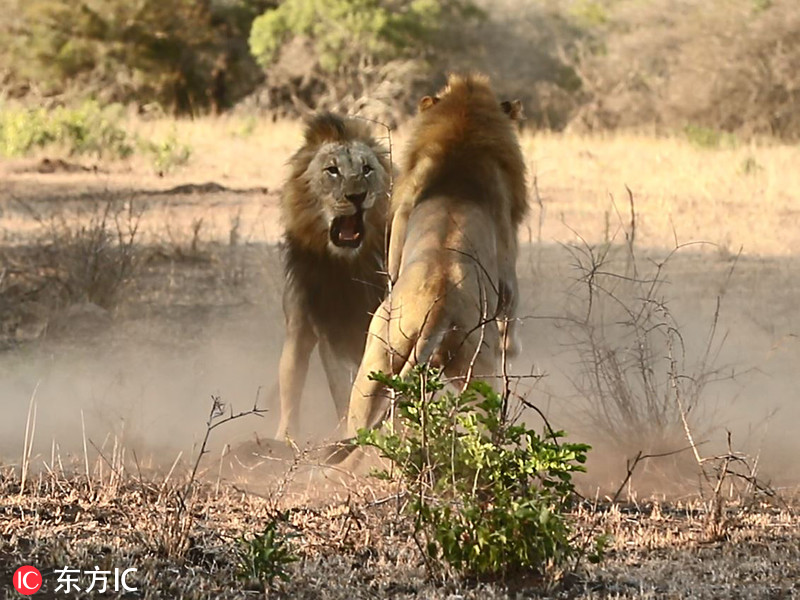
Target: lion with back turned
column 334, row 210
column 458, row 203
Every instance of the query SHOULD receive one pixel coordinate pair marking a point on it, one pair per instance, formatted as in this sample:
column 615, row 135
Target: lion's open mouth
column 347, row 231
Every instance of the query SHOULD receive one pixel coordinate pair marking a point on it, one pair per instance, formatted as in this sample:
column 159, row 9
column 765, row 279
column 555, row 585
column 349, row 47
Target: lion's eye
column 367, row 169
column 332, row 171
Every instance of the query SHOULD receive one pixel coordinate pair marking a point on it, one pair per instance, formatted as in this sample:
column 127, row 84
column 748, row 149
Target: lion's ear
column 426, row 102
column 513, row 108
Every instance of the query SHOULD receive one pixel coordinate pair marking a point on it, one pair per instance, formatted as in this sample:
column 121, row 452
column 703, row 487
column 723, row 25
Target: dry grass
column 250, row 151
column 731, row 197
column 681, row 191
column 353, row 542
column 211, row 261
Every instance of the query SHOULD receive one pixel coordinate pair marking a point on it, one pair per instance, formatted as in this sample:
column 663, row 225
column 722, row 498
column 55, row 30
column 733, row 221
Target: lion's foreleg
column 403, row 201
column 396, row 240
column 338, row 373
column 293, row 369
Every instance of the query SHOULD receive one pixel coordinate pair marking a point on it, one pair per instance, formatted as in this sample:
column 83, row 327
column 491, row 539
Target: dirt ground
column 202, row 318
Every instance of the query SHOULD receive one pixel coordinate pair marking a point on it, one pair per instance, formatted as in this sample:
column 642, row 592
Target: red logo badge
column 27, row 580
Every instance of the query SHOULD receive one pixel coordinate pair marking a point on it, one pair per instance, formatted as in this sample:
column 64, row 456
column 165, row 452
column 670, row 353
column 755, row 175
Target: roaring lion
column 334, row 209
column 458, row 204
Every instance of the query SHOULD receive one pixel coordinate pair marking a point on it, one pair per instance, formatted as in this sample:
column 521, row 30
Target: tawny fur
column 330, row 293
column 453, row 249
column 450, row 139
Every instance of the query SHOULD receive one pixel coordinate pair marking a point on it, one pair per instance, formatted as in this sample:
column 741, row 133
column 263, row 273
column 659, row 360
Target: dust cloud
column 149, row 379
column 753, row 379
column 151, row 387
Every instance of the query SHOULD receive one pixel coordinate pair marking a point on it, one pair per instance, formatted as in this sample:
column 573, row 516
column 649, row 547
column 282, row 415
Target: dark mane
column 339, row 295
column 338, row 292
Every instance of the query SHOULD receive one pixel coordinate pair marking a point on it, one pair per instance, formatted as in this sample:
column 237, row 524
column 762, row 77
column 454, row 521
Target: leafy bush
column 489, row 496
column 87, row 129
column 333, row 54
column 167, row 154
column 345, row 31
column 706, row 137
column 186, row 55
column 265, row 556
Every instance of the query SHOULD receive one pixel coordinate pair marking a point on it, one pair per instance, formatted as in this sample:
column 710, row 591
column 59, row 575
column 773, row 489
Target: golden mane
column 465, row 124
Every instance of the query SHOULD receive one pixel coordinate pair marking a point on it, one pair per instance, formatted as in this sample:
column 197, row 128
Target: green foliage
column 706, row 137
column 590, row 13
column 347, row 31
column 167, row 154
column 245, row 127
column 87, row 129
column 265, row 556
column 761, row 5
column 187, row 55
column 488, row 495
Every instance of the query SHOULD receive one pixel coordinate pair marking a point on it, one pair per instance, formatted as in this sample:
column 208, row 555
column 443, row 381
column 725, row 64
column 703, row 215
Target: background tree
column 186, row 55
column 336, row 53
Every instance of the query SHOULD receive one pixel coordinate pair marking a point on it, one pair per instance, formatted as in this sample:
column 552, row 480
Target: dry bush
column 76, row 270
column 91, row 259
column 726, row 66
column 643, row 390
column 638, row 386
column 528, row 49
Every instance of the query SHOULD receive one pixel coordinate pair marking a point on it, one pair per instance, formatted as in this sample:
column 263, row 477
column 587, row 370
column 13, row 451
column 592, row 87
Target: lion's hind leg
column 395, row 345
column 367, row 401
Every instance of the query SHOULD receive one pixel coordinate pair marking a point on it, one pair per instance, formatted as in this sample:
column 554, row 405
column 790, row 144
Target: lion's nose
column 357, row 199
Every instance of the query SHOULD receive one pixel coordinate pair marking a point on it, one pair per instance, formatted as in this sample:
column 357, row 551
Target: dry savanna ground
column 104, row 403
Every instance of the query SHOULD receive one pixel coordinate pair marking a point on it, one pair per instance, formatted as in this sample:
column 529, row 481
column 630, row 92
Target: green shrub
column 489, row 496
column 167, row 154
column 344, row 31
column 591, row 13
column 706, row 137
column 265, row 556
column 750, row 166
column 88, row 129
column 188, row 56
column 23, row 130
